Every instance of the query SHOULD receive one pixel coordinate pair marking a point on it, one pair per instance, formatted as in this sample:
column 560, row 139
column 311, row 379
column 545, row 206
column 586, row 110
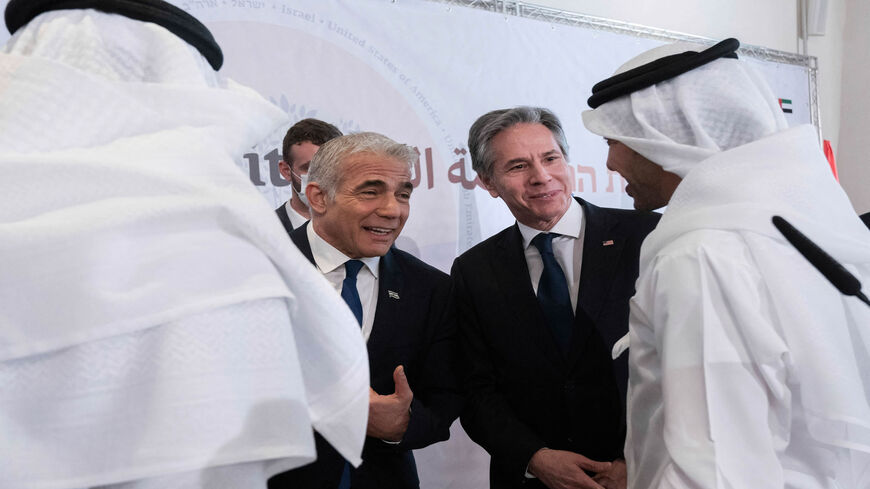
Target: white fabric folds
column 747, row 367
column 155, row 318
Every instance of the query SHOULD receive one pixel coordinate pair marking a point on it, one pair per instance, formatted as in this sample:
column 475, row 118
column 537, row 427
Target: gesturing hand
column 389, row 415
column 559, row 469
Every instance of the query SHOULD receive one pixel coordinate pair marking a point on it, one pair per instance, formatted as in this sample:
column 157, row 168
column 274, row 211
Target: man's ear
column 487, row 184
column 284, row 170
column 317, row 197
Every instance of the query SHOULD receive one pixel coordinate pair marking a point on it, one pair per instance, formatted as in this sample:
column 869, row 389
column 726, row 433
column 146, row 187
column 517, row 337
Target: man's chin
column 647, row 206
column 377, row 248
column 551, row 210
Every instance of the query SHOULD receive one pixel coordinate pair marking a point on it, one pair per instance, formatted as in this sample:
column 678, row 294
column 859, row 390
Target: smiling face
column 370, row 206
column 649, row 184
column 530, row 174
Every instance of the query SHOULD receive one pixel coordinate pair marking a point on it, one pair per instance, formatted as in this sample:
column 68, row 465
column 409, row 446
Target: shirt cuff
column 388, row 442
column 528, row 474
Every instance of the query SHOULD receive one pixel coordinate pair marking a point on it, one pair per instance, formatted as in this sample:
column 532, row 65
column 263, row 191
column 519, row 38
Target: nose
column 390, row 207
column 609, row 163
column 539, row 173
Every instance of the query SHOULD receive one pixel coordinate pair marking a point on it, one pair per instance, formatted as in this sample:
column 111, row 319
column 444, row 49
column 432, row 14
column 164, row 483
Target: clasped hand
column 389, row 415
column 559, row 469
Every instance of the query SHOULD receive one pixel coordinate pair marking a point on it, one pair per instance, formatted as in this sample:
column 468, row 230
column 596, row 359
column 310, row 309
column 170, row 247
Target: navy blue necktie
column 553, row 293
column 351, row 297
column 348, row 289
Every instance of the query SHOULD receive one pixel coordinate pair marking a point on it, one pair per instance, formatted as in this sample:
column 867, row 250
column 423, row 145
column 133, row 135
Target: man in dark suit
column 359, row 193
column 300, row 143
column 545, row 399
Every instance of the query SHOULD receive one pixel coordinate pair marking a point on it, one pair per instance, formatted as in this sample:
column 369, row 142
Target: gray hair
column 487, row 126
column 326, row 165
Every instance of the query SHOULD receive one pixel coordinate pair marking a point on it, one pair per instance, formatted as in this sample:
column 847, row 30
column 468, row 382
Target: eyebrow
column 406, row 185
column 371, row 183
column 523, row 159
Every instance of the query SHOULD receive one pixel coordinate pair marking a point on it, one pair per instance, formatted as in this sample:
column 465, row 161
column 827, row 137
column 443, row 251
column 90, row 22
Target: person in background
column 747, row 367
column 299, row 145
column 540, row 307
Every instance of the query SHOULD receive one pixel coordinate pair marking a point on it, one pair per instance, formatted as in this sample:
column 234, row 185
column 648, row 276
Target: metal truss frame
column 556, row 16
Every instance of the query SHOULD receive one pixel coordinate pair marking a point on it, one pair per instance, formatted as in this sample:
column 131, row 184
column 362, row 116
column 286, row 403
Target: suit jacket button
column 569, row 386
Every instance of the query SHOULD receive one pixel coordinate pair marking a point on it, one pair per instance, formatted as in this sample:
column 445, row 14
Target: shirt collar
column 570, row 224
column 328, row 258
column 296, row 219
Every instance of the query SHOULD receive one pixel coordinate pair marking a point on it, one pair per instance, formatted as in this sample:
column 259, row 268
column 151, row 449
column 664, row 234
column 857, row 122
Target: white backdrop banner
column 421, row 72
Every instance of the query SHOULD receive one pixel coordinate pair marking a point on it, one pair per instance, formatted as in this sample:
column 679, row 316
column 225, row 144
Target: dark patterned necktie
column 553, row 294
column 348, row 289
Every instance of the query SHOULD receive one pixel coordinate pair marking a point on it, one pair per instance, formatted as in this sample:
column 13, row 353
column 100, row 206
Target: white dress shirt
column 330, row 262
column 568, row 249
column 296, row 219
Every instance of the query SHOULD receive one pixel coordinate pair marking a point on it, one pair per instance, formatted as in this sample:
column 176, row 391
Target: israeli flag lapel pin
column 392, row 294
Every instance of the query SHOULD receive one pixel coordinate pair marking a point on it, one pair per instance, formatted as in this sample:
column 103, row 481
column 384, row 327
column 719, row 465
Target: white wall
column 774, row 24
column 855, row 108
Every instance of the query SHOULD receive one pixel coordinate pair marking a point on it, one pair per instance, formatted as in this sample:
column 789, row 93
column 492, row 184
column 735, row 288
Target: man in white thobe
column 747, row 368
column 157, row 330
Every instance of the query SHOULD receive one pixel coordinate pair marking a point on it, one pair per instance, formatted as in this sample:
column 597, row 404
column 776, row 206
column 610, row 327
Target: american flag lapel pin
column 609, row 242
column 392, row 295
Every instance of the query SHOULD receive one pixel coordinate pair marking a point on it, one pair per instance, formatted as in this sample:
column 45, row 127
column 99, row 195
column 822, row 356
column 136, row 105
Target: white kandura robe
column 748, row 369
column 157, row 327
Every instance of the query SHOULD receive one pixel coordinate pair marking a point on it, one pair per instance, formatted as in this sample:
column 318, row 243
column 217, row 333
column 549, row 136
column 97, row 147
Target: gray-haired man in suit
column 545, row 399
column 359, row 194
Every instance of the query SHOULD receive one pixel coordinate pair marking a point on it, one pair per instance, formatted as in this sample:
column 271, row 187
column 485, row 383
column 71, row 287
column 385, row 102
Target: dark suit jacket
column 285, row 219
column 417, row 330
column 523, row 393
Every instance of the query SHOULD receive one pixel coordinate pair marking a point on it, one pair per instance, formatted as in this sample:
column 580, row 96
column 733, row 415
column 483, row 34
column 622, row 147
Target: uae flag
column 785, row 105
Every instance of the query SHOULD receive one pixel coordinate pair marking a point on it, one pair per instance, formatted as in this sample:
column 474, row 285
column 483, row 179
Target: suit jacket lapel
column 601, row 251
column 512, row 278
column 299, row 237
column 285, row 219
column 390, row 279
